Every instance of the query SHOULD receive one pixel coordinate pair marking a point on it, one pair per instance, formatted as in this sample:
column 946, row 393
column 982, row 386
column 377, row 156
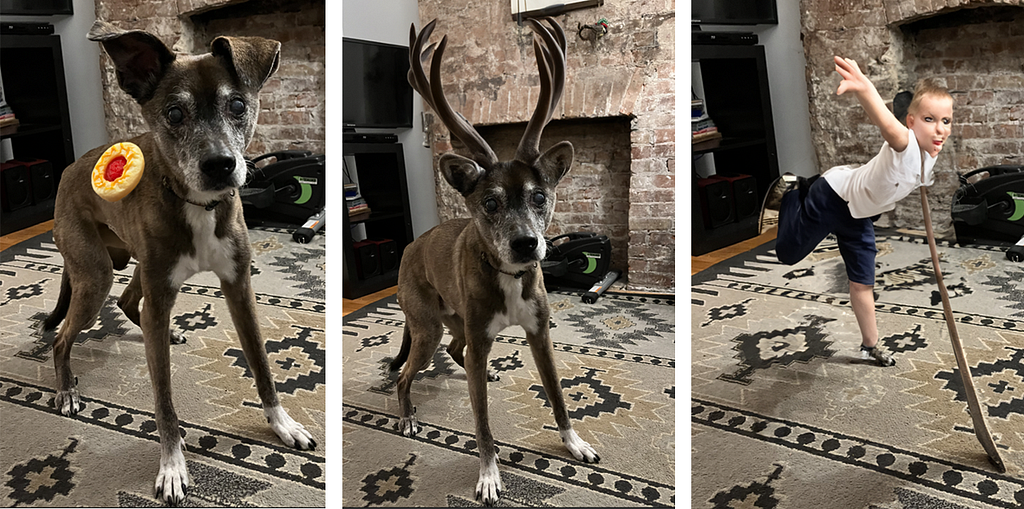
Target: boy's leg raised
column 805, row 219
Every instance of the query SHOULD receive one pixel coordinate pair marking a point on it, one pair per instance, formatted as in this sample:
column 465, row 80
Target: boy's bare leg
column 862, row 298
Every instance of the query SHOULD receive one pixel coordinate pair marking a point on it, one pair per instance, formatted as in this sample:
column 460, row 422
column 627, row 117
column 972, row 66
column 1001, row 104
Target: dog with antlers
column 482, row 274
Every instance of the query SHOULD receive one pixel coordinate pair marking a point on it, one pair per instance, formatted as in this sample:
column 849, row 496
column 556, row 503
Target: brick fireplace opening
column 617, row 110
column 972, row 46
column 292, row 101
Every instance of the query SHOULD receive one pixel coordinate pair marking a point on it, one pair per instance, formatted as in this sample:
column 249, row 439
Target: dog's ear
column 461, row 172
column 140, row 59
column 555, row 163
column 253, row 59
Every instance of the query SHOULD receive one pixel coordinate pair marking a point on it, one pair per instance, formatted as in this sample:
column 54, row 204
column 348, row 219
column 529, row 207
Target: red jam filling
column 115, row 169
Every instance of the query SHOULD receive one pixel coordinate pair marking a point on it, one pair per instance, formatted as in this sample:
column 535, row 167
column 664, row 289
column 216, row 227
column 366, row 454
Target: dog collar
column 209, row 206
column 517, row 275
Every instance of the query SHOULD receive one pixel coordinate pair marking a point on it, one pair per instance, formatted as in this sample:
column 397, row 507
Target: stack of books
column 701, row 125
column 358, row 210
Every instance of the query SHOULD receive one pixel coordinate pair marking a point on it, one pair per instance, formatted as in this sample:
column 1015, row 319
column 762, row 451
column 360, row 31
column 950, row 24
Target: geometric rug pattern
column 616, row 362
column 785, row 414
column 108, row 454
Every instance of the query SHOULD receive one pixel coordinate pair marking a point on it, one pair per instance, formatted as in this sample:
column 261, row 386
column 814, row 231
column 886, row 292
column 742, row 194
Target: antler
column 434, row 95
column 551, row 65
column 550, row 53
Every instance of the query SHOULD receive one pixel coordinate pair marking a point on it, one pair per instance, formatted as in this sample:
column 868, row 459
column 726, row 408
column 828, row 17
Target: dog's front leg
column 172, row 480
column 543, row 356
column 241, row 301
column 488, row 487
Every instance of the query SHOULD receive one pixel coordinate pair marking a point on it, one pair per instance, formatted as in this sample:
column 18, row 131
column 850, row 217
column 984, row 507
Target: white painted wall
column 81, row 73
column 784, row 54
column 388, row 21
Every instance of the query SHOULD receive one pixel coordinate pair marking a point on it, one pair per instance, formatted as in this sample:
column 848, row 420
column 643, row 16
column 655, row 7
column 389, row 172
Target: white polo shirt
column 890, row 176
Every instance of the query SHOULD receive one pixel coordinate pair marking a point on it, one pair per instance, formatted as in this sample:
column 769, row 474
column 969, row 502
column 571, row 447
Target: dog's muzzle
column 219, row 170
column 524, row 248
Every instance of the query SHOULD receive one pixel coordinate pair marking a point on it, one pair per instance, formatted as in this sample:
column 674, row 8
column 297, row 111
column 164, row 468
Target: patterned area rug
column 616, row 361
column 108, row 455
column 785, row 415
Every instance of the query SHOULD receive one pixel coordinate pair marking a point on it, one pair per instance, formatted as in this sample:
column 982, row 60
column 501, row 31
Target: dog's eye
column 174, row 115
column 539, row 199
column 236, row 106
column 491, row 204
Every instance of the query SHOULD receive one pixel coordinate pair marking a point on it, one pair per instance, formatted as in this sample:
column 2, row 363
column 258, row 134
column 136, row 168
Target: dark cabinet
column 373, row 245
column 736, row 95
column 32, row 67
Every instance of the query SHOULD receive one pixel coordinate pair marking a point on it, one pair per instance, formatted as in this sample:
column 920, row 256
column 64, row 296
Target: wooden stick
column 974, row 406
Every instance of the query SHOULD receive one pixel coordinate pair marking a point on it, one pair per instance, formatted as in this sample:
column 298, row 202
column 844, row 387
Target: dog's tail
column 63, row 301
column 403, row 354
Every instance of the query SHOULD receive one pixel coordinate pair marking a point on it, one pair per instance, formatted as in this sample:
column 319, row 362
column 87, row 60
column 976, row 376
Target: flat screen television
column 375, row 90
column 734, row 12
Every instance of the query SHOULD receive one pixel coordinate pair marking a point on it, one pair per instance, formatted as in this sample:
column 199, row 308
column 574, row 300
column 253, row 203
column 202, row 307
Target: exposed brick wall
column 292, row 101
column 490, row 76
column 971, row 45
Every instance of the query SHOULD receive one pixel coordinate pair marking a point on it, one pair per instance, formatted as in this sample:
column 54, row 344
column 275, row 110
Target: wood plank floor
column 13, row 238
column 699, row 263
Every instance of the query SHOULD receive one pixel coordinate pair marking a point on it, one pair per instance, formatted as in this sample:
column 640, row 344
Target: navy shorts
column 805, row 219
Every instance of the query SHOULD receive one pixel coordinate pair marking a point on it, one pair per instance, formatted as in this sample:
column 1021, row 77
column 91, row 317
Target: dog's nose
column 218, row 166
column 524, row 246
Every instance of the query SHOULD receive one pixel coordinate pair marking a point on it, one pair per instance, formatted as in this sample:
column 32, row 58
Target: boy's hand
column 853, row 79
column 855, row 82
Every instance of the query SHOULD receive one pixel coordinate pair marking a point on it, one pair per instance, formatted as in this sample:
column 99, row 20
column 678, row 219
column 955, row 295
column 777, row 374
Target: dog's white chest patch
column 211, row 253
column 518, row 311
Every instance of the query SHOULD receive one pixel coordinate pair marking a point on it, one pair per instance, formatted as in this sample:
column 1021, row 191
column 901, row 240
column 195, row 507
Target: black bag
column 991, row 210
column 289, row 190
column 580, row 260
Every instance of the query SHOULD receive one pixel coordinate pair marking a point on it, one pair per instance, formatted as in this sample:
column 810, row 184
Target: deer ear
column 461, row 172
column 140, row 59
column 555, row 163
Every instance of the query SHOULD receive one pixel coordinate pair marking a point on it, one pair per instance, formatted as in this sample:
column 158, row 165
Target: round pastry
column 118, row 171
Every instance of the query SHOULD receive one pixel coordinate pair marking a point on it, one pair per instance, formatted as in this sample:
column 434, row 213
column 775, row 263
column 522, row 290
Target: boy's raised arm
column 855, row 82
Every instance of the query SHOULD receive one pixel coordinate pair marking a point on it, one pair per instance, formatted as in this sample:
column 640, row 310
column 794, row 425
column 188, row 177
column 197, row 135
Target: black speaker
column 15, row 186
column 367, row 259
column 716, row 202
column 388, row 254
column 41, row 175
column 744, row 195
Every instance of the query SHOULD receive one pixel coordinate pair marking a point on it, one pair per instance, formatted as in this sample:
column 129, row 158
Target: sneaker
column 773, row 202
column 878, row 355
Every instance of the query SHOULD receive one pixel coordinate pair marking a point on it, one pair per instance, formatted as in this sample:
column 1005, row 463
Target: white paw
column 68, row 402
column 291, row 432
column 489, row 488
column 579, row 449
column 172, row 481
column 409, row 426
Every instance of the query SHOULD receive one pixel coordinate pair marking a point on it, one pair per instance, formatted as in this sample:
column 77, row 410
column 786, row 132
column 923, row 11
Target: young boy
column 846, row 199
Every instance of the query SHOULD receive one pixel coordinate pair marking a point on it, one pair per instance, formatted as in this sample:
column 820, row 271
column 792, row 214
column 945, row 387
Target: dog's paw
column 489, row 488
column 292, row 433
column 68, row 402
column 409, row 426
column 172, row 481
column 177, row 338
column 580, row 450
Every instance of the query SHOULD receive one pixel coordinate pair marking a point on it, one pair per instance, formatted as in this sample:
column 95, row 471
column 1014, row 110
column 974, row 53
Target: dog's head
column 201, row 109
column 511, row 203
